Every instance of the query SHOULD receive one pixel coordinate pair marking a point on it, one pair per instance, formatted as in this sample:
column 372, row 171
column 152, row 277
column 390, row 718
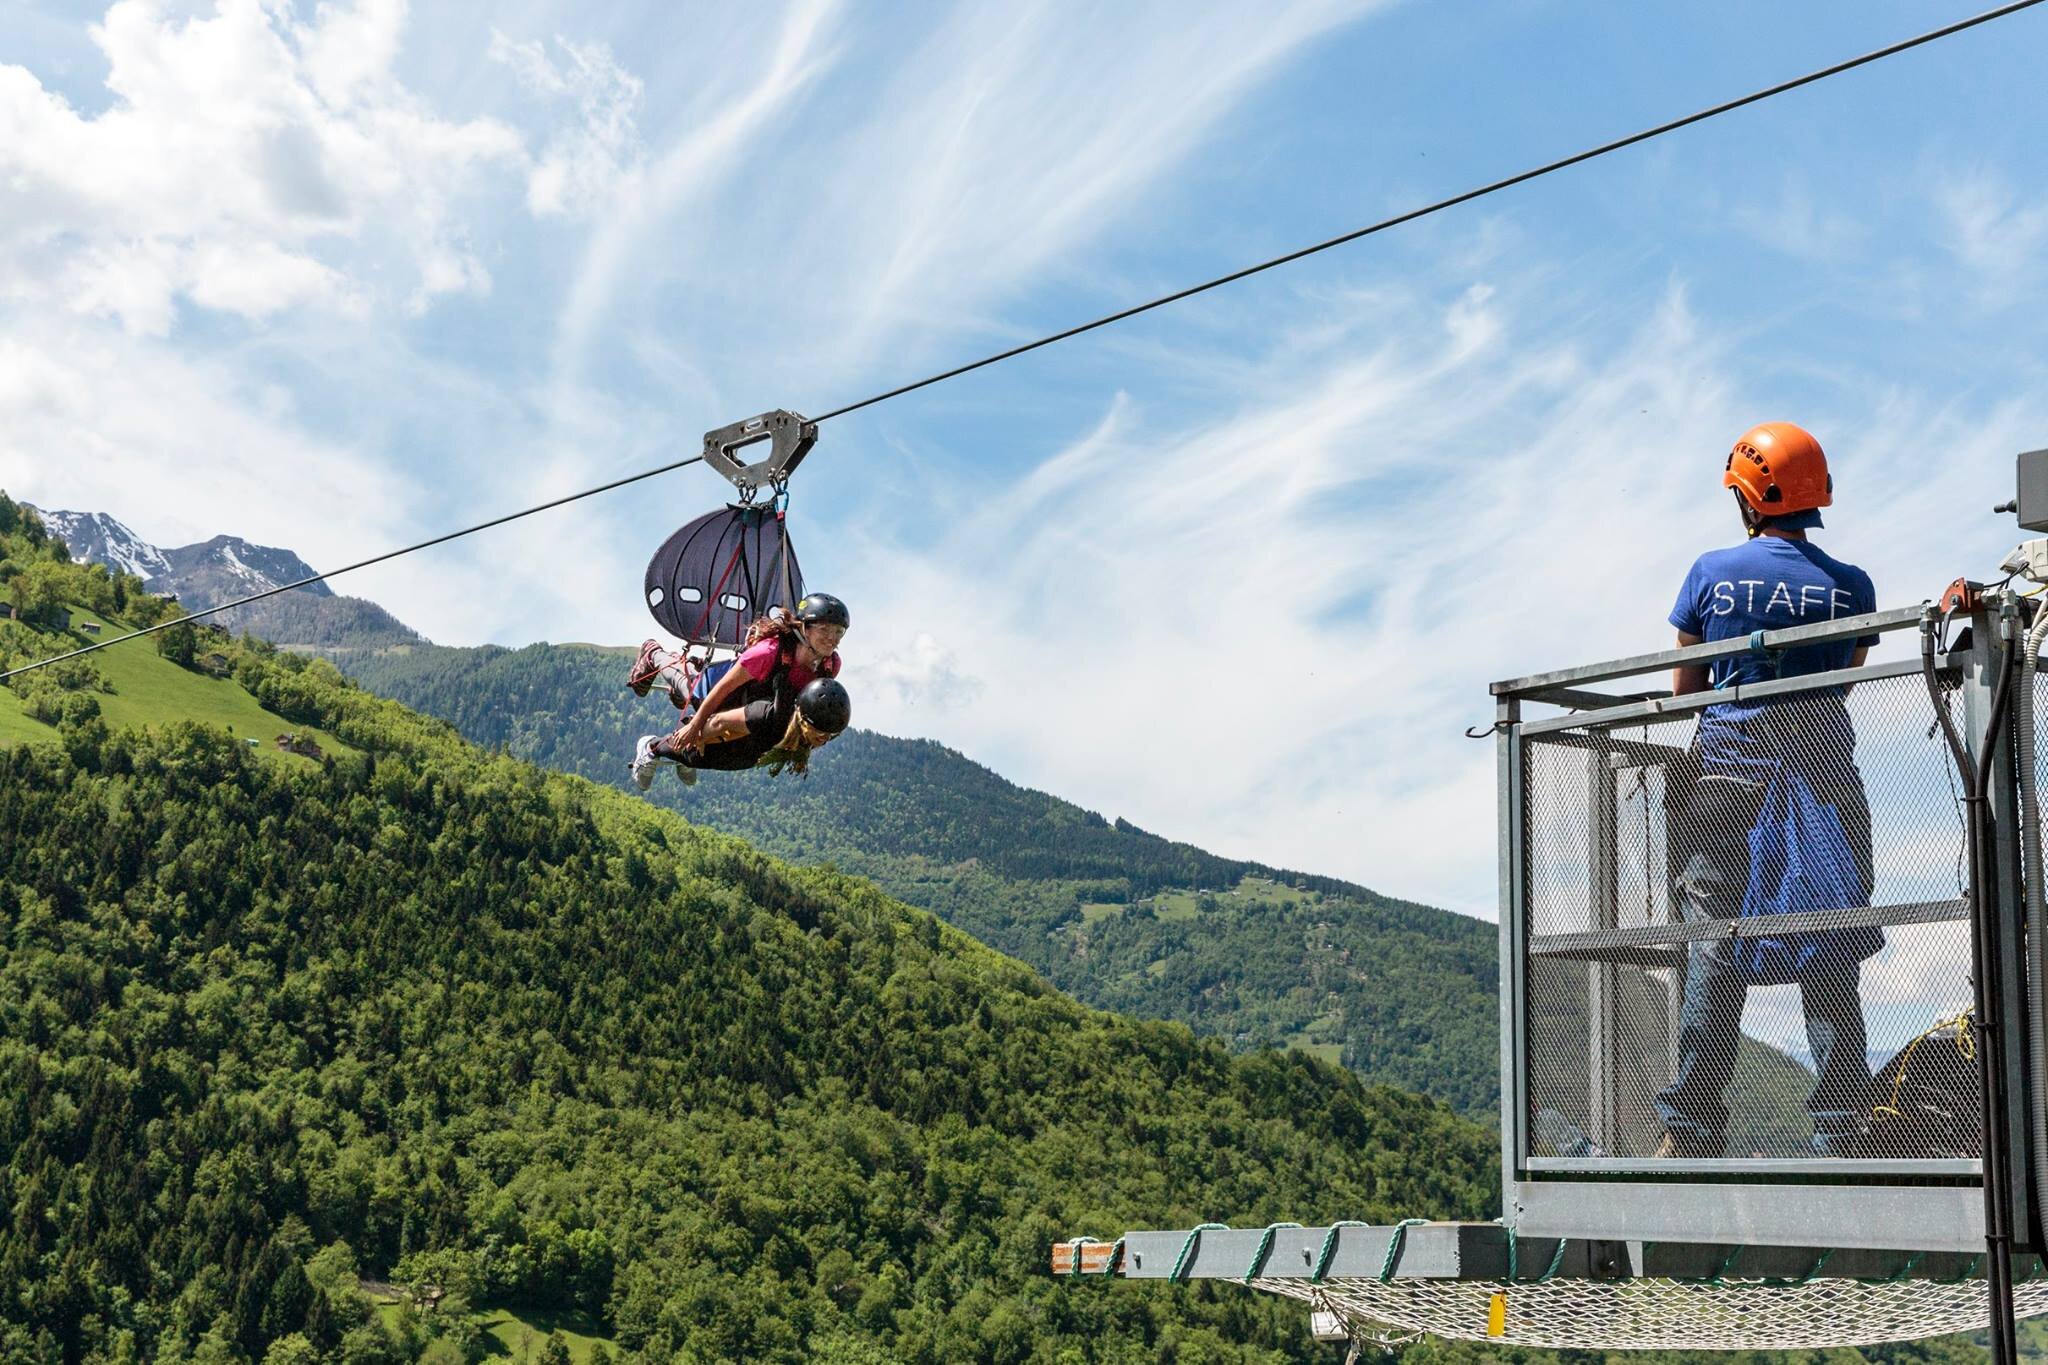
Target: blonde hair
column 793, row 750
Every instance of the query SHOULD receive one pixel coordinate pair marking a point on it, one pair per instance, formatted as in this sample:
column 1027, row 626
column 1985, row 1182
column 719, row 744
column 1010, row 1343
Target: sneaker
column 687, row 773
column 644, row 761
column 645, row 669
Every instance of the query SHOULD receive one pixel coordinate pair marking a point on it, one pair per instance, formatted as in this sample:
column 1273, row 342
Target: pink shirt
column 759, row 661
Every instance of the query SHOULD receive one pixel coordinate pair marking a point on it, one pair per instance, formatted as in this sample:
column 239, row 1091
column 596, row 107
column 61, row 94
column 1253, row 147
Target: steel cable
column 1120, row 315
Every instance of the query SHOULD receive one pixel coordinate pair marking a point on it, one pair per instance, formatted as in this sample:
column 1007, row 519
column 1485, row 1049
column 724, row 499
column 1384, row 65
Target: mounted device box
column 2033, row 490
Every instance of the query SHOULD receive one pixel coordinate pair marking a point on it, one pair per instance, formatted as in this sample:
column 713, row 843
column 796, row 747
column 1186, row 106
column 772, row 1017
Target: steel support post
column 1987, row 677
column 1603, row 1102
column 1510, row 841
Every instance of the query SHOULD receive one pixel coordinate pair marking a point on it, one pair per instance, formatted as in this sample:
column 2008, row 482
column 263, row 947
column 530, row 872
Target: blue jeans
column 1693, row 1108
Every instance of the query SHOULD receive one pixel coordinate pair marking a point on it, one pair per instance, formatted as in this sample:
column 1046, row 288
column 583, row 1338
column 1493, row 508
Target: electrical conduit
column 2037, row 897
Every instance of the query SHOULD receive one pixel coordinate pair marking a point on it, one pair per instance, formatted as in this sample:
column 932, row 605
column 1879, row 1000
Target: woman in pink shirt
column 746, row 707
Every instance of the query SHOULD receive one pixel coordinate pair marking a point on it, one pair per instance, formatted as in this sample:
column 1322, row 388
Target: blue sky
column 340, row 277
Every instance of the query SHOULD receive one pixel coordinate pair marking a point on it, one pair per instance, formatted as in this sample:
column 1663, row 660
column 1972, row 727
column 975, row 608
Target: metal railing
column 1713, row 971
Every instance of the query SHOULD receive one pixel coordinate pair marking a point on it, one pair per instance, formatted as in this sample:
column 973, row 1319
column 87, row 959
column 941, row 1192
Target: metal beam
column 1631, row 753
column 1579, row 699
column 1635, row 712
column 1888, row 1216
column 1877, row 622
column 1479, row 1251
column 1593, row 946
column 1651, row 1169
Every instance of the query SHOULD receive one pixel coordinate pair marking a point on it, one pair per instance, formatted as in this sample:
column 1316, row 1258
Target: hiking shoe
column 644, row 761
column 645, row 669
column 687, row 773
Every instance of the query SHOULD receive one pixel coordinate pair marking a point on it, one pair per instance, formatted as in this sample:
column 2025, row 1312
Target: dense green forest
column 1121, row 918
column 426, row 1014
column 274, row 1026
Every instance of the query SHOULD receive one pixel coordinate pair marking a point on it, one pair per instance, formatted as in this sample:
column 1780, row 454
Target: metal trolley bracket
column 790, row 434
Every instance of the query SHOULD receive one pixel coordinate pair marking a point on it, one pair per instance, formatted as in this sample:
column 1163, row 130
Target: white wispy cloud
column 248, row 162
column 1994, row 231
column 728, row 113
column 994, row 143
column 1272, row 641
column 184, row 448
column 1254, row 602
column 584, row 167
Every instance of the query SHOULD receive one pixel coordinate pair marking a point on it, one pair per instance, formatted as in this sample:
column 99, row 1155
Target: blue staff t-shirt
column 1770, row 583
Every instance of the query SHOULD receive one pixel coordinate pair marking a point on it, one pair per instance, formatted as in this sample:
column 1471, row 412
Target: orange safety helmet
column 1779, row 469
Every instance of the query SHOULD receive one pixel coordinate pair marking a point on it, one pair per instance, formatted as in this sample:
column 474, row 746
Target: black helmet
column 824, row 705
column 822, row 609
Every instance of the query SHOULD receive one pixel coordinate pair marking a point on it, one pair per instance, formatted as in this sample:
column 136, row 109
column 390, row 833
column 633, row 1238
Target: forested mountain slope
column 436, row 1015
column 272, row 1024
column 1121, row 918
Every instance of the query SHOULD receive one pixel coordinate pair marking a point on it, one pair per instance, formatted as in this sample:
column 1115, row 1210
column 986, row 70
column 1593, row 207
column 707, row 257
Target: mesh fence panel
column 1658, row 1314
column 1667, row 1016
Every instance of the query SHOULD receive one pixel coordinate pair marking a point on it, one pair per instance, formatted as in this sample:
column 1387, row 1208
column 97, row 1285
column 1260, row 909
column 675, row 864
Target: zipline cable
column 359, row 564
column 1439, row 206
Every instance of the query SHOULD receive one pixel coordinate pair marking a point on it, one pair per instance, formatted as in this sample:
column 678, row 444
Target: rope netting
column 1659, row 1314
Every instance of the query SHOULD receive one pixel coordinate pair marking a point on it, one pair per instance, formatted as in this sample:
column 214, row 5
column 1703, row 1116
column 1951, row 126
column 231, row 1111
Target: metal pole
column 1990, row 1003
column 1603, row 1106
column 1514, row 1103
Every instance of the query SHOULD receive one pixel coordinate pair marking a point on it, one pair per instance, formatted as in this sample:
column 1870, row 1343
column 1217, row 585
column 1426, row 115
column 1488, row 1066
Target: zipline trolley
column 710, row 579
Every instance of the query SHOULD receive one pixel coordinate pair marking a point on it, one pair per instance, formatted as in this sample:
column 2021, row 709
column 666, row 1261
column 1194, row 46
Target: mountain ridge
column 207, row 573
column 1260, row 956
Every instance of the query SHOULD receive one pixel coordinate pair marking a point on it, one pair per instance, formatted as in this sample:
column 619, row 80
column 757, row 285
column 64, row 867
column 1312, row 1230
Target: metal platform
column 1833, row 1203
column 1480, row 1251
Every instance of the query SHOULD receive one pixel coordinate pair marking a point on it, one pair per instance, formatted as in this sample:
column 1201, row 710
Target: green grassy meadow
column 151, row 691
column 518, row 1335
column 1169, row 906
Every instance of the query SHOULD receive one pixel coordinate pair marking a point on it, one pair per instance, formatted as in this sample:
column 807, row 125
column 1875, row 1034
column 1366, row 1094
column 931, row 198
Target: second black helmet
column 825, row 706
column 823, row 609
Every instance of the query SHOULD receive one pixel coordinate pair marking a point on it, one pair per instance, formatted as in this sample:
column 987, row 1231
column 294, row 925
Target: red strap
column 711, row 602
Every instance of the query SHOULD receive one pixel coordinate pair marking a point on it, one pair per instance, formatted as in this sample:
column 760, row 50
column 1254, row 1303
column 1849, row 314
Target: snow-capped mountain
column 97, row 537
column 227, row 567
column 202, row 575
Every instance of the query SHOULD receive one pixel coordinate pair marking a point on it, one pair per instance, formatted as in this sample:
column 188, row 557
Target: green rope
column 1394, row 1245
column 1714, row 1278
column 1116, row 1249
column 1969, row 1271
column 1820, row 1263
column 1185, row 1260
column 1901, row 1273
column 1322, row 1265
column 1773, row 1281
column 1514, row 1274
column 1074, row 1253
column 1265, row 1249
column 1116, row 1256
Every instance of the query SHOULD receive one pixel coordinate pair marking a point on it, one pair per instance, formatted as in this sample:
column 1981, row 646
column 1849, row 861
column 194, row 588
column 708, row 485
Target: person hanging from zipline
column 770, row 706
column 1776, row 820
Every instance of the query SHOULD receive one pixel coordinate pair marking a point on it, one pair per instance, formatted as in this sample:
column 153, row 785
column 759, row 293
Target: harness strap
column 711, row 602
